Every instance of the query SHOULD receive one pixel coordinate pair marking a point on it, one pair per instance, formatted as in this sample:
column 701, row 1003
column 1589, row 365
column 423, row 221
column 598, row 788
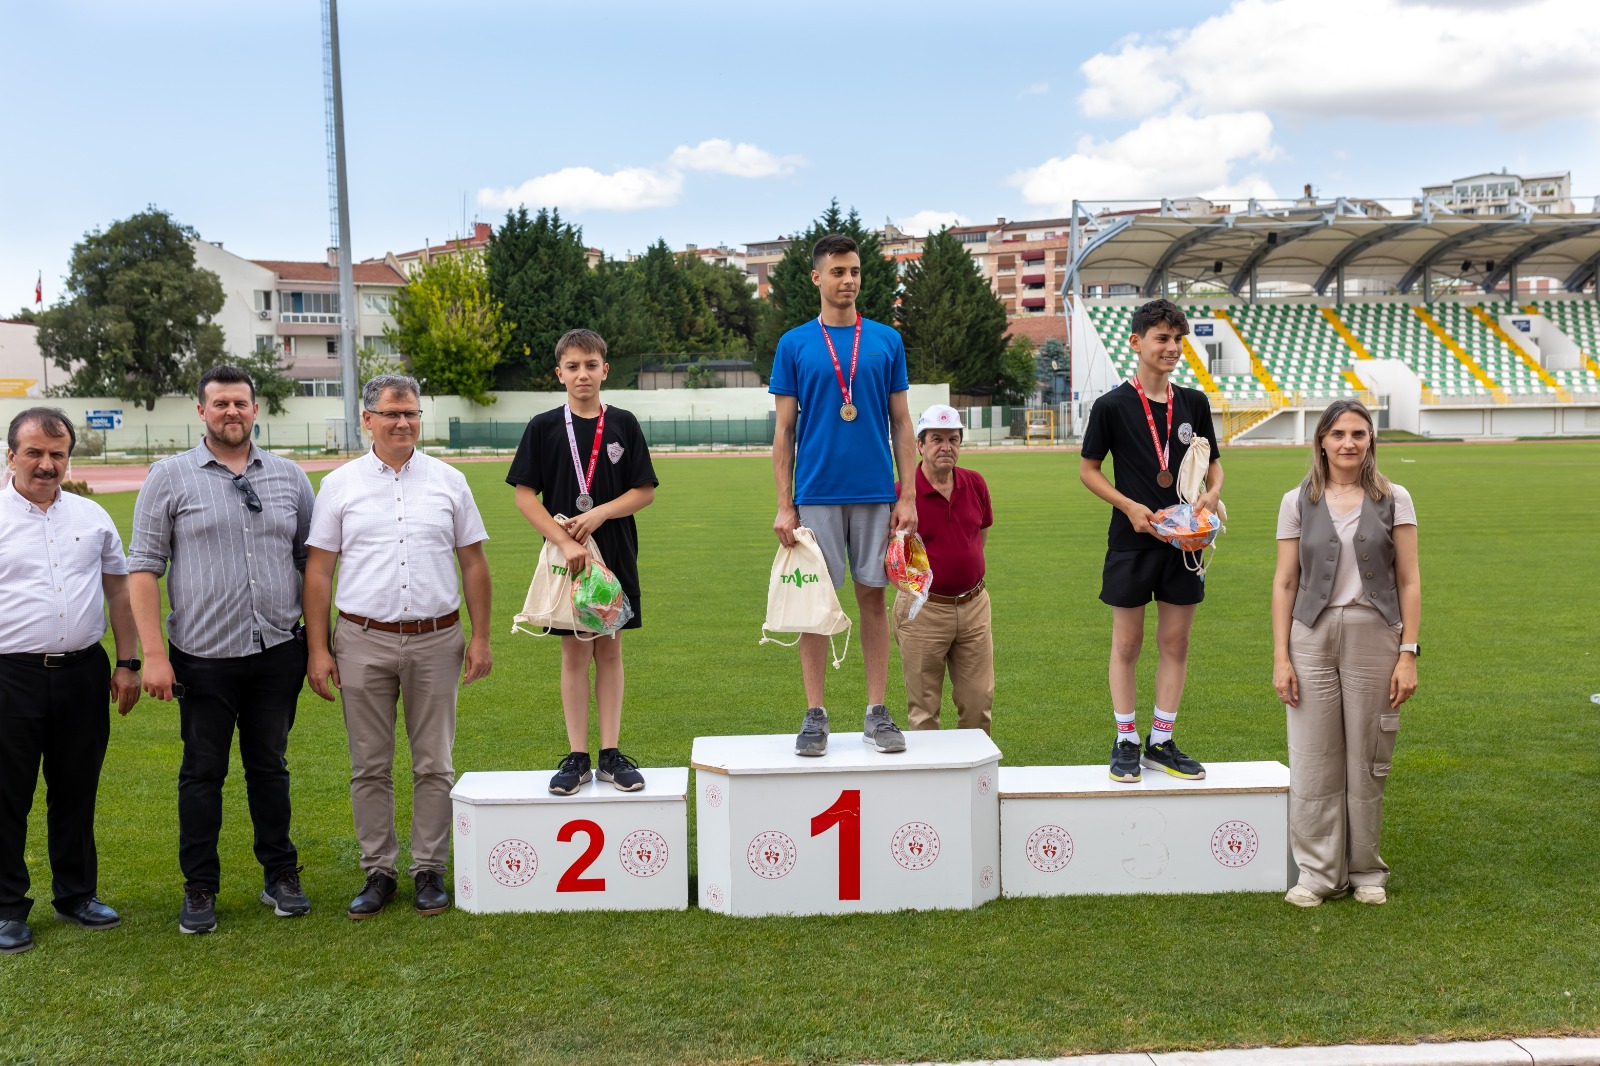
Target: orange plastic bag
column 906, row 563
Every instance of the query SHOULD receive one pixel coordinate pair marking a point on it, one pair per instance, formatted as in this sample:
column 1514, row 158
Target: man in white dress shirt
column 61, row 565
column 397, row 522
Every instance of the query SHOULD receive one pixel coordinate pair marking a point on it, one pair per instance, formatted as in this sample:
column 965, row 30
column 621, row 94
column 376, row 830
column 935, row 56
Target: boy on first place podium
column 588, row 460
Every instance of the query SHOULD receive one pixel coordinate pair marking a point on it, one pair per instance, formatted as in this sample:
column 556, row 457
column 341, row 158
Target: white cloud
column 1167, row 155
column 1038, row 88
column 586, row 189
column 1444, row 60
column 718, row 156
column 925, row 222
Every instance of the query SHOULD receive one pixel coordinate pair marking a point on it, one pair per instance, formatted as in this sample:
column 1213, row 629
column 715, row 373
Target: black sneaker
column 574, row 774
column 1125, row 762
column 621, row 771
column 285, row 896
column 1167, row 757
column 199, row 913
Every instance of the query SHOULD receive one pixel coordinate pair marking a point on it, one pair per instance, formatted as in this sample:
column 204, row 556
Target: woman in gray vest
column 1346, row 607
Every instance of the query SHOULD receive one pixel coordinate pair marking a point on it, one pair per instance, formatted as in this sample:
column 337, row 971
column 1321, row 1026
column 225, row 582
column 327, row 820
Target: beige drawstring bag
column 549, row 602
column 800, row 596
column 1191, row 486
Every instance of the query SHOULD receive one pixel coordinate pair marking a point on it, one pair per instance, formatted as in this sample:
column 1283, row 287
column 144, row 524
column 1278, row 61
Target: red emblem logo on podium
column 915, row 845
column 985, row 783
column 1049, row 849
column 513, row 863
column 986, row 877
column 713, row 795
column 1234, row 844
column 643, row 853
column 464, row 824
column 464, row 887
column 771, row 855
column 714, row 896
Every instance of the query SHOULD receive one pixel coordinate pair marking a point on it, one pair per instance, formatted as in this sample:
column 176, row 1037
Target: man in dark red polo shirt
column 952, row 629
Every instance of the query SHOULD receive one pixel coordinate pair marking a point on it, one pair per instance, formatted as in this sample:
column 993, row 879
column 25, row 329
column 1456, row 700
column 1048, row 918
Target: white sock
column 1127, row 727
column 1161, row 728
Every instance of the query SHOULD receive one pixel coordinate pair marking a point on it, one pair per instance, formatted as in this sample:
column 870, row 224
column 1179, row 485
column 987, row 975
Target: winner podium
column 854, row 830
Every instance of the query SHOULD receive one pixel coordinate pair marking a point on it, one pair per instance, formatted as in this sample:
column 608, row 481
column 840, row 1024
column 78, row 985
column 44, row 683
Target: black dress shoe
column 431, row 896
column 91, row 914
column 15, row 937
column 374, row 896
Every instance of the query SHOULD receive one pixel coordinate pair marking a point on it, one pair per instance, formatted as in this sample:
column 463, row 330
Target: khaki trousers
column 950, row 636
column 376, row 670
column 1341, row 745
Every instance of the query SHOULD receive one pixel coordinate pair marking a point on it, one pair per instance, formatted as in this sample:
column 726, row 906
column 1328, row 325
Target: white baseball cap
column 940, row 416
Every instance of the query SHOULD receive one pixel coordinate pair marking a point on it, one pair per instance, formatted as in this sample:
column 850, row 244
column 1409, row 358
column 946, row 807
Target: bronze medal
column 1164, row 479
column 848, row 412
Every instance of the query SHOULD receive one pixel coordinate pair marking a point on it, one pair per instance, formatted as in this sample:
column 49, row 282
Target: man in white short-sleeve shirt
column 396, row 523
column 61, row 566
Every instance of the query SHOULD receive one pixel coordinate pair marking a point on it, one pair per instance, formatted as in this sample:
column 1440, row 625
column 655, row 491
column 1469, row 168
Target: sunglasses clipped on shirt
column 251, row 500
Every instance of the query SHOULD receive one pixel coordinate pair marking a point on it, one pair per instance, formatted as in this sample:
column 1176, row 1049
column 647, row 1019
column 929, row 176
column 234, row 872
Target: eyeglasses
column 397, row 416
column 251, row 500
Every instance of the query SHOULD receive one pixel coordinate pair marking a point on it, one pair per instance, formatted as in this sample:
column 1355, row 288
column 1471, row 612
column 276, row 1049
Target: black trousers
column 257, row 695
column 60, row 716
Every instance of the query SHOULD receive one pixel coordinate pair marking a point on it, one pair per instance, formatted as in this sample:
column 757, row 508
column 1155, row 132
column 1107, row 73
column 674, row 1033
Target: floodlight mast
column 339, row 190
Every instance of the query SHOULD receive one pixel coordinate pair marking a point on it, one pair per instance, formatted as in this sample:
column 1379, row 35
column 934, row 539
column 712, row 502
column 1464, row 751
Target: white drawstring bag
column 549, row 602
column 1191, row 486
column 800, row 596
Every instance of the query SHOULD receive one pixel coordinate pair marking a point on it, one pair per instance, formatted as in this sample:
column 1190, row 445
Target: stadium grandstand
column 1447, row 324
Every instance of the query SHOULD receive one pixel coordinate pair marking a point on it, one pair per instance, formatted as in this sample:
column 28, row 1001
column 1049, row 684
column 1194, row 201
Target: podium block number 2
column 846, row 814
column 573, row 880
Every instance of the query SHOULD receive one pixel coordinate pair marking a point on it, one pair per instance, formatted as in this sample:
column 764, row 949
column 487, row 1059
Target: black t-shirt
column 544, row 464
column 1117, row 427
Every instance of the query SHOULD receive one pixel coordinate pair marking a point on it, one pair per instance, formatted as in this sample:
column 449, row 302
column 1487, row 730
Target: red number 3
column 572, row 880
column 846, row 814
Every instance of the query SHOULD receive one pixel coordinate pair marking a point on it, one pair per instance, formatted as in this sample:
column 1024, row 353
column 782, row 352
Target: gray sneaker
column 880, row 731
column 813, row 738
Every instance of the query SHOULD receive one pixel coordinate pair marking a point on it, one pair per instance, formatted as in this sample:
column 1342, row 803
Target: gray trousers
column 376, row 671
column 1341, row 745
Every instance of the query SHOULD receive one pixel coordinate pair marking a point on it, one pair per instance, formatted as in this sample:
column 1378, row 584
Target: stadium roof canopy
column 1321, row 248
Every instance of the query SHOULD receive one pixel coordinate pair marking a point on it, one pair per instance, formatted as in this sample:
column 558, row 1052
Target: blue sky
column 710, row 122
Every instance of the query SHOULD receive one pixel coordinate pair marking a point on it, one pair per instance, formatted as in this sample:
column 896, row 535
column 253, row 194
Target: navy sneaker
column 285, row 895
column 1125, row 762
column 621, row 771
column 1167, row 758
column 573, row 774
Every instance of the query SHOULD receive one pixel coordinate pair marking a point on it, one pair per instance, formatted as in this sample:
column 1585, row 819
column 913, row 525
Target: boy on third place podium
column 840, row 386
column 1146, row 425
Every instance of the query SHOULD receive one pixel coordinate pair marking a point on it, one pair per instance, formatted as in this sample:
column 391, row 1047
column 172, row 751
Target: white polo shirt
column 396, row 532
column 50, row 568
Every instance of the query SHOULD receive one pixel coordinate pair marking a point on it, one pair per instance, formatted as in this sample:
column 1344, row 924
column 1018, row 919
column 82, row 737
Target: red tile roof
column 365, row 273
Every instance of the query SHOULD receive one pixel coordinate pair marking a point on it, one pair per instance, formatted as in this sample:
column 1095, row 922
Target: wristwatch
column 129, row 664
column 1414, row 649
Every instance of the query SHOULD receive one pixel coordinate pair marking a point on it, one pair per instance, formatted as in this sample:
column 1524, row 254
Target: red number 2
column 846, row 814
column 572, row 880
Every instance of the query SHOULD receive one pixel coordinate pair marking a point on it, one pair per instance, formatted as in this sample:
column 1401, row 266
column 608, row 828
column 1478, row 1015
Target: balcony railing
column 308, row 318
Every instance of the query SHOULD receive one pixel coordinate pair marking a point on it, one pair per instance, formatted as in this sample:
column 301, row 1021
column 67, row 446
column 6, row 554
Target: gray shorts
column 860, row 528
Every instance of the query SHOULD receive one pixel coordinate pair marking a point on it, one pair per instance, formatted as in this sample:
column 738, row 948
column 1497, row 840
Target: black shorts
column 1134, row 578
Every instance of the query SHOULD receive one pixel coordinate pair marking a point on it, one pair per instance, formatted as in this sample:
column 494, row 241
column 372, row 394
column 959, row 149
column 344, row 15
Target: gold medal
column 848, row 412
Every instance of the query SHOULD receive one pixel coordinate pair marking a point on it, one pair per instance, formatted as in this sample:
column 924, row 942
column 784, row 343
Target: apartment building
column 1493, row 194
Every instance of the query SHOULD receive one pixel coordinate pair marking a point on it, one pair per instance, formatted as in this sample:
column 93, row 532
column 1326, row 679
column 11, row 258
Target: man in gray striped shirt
column 227, row 523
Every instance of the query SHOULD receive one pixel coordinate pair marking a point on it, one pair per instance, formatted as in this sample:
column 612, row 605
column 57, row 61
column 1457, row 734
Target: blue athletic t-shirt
column 838, row 461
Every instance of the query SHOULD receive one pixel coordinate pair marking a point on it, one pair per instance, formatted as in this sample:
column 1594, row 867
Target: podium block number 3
column 846, row 814
column 573, row 880
column 1146, row 854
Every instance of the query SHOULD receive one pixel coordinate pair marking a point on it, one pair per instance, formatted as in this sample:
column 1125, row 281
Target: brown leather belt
column 956, row 601
column 426, row 625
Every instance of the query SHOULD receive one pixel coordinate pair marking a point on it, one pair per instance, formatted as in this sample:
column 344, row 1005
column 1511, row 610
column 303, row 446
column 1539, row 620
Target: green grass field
column 1493, row 925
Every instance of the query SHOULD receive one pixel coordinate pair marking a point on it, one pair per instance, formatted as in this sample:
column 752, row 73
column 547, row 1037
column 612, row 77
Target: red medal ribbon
column 1161, row 453
column 585, row 480
column 855, row 351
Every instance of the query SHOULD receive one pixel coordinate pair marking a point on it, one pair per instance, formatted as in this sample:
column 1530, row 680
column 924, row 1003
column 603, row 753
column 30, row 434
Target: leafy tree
column 683, row 320
column 539, row 273
column 1051, row 361
column 371, row 363
column 702, row 375
column 794, row 298
column 273, row 386
column 27, row 314
column 1018, row 379
column 450, row 328
column 137, row 318
column 954, row 325
column 729, row 297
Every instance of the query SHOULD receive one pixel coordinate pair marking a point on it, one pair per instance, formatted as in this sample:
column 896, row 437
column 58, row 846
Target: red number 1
column 571, row 881
column 846, row 814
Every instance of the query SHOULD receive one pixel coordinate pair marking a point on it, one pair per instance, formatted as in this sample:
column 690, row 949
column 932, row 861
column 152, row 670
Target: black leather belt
column 50, row 660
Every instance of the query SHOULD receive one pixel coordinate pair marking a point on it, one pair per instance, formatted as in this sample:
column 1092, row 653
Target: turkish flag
column 38, row 290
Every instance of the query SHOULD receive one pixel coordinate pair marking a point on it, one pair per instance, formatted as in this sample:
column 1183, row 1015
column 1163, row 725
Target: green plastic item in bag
column 598, row 600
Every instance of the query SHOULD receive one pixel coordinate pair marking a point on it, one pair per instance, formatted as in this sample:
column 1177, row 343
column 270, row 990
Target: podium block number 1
column 846, row 814
column 573, row 880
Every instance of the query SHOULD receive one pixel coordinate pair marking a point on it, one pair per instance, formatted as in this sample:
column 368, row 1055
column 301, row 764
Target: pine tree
column 539, row 273
column 953, row 324
column 794, row 297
